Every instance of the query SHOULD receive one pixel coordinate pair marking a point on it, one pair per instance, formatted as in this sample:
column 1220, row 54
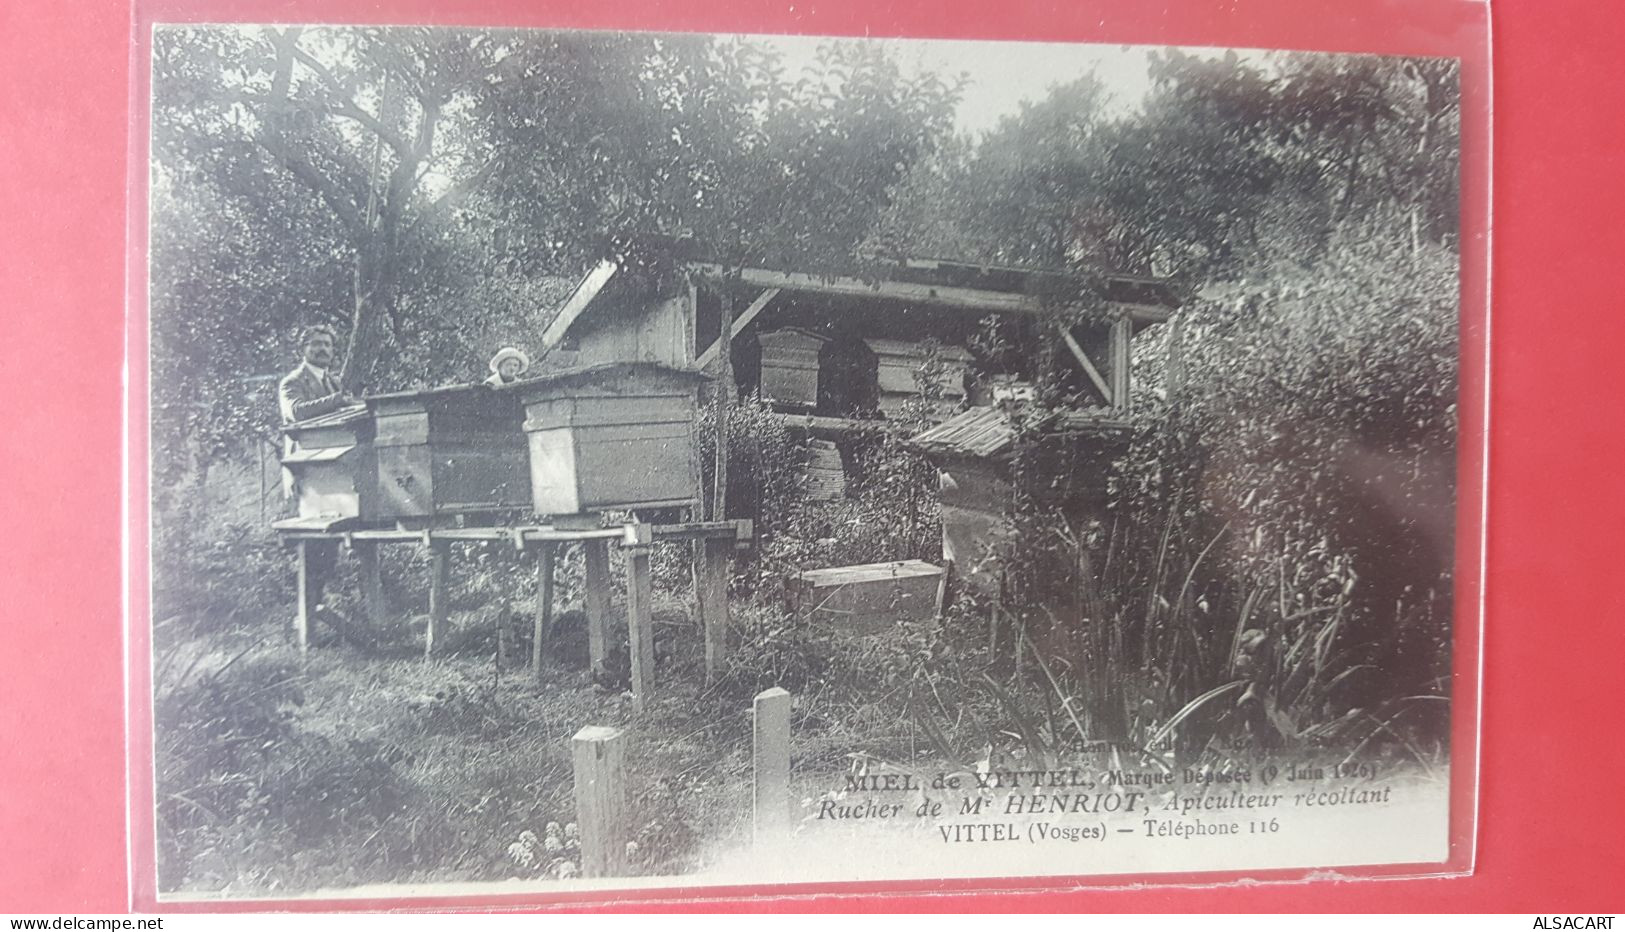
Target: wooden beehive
column 449, row 451
column 866, row 599
column 826, row 472
column 331, row 461
column 790, row 366
column 902, row 370
column 613, row 436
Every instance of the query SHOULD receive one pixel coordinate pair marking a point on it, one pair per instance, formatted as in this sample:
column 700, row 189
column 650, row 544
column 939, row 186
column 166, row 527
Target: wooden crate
column 612, row 437
column 790, row 366
column 331, row 460
column 869, row 598
column 449, row 451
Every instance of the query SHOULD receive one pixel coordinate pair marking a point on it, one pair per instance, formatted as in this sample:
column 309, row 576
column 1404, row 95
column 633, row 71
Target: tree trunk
column 374, row 289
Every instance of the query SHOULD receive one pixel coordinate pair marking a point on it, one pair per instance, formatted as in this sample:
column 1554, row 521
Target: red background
column 1551, row 804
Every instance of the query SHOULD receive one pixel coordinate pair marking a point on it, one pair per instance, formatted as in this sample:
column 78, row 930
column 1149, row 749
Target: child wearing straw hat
column 507, row 365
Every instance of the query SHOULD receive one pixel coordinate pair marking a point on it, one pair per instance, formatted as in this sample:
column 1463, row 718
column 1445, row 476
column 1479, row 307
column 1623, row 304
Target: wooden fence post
column 595, row 560
column 600, row 757
column 639, row 613
column 543, row 629
column 439, row 597
column 770, row 753
column 711, row 597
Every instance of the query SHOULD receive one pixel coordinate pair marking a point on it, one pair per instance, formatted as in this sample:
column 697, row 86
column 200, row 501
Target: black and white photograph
column 624, row 460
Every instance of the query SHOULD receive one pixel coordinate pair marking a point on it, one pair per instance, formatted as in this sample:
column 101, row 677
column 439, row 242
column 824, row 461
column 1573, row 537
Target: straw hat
column 510, row 352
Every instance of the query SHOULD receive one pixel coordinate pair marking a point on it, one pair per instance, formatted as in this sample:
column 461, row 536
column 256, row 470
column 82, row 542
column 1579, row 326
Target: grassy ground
column 281, row 773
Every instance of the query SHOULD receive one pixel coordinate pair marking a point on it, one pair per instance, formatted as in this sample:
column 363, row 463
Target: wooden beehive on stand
column 789, row 368
column 903, row 369
column 449, row 451
column 612, row 436
column 331, row 464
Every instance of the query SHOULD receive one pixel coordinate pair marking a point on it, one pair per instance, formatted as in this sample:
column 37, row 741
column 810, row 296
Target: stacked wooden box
column 330, row 462
column 613, row 436
column 449, row 451
column 826, row 475
column 790, row 366
column 902, row 369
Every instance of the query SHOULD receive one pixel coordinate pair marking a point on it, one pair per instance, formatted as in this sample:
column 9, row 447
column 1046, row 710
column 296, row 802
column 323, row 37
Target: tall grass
column 1173, row 649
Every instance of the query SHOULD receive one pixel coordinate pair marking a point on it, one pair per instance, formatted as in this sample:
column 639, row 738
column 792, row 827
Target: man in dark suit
column 311, row 391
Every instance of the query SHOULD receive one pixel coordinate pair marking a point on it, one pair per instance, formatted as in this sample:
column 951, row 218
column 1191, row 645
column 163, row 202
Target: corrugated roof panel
column 975, row 432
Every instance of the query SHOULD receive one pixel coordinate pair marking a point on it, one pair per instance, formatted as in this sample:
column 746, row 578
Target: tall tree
column 358, row 118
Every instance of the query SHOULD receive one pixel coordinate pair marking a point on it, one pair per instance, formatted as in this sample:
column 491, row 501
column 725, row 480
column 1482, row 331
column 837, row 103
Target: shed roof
column 975, row 432
column 966, row 286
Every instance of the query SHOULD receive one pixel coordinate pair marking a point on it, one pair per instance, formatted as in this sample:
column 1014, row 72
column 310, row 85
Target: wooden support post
column 943, row 592
column 543, row 630
column 724, row 388
column 307, row 599
column 1122, row 333
column 639, row 616
column 1176, row 356
column 595, row 599
column 372, row 587
column 711, row 599
column 439, row 596
column 600, row 763
column 770, row 755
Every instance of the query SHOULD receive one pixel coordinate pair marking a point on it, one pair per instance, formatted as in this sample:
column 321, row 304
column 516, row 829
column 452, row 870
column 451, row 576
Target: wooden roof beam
column 592, row 283
column 1088, row 367
column 970, row 299
column 740, row 323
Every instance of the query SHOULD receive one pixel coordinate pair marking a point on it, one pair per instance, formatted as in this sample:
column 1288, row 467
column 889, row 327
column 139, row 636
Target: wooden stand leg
column 503, row 619
column 544, row 609
column 944, row 593
column 372, row 589
column 306, row 597
column 711, row 588
column 639, row 616
column 439, row 609
column 595, row 557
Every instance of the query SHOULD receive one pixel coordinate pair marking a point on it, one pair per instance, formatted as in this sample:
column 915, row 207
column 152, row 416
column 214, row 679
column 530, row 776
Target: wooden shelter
column 669, row 308
column 842, row 355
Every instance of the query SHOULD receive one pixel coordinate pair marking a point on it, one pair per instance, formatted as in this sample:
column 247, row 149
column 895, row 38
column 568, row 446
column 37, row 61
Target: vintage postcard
column 633, row 461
